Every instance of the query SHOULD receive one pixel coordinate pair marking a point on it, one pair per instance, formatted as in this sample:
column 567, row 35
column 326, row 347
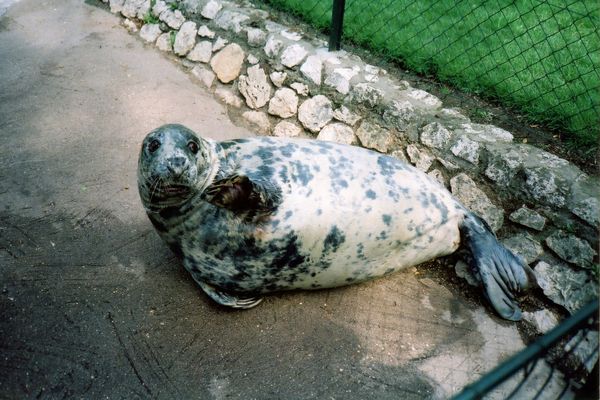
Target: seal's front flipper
column 229, row 300
column 502, row 273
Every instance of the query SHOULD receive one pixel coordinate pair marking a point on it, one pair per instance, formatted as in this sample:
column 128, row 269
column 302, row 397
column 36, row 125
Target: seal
column 259, row 215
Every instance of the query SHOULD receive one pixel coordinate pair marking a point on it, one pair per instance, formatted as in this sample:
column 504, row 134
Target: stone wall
column 283, row 82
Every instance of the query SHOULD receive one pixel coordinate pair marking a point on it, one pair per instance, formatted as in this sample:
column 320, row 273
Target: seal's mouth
column 176, row 190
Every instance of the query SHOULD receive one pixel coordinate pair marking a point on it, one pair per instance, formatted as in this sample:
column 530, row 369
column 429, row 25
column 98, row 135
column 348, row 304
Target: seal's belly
column 346, row 216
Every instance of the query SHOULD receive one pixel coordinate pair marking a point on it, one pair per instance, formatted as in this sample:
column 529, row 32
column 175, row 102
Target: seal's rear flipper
column 229, row 300
column 502, row 273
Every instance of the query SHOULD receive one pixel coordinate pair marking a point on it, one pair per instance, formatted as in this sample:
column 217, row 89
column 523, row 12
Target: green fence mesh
column 540, row 57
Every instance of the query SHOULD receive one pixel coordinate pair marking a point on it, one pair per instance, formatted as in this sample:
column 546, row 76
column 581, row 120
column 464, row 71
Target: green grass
column 543, row 58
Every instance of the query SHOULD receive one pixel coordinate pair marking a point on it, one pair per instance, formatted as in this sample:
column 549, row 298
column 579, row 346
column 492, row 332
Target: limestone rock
column 284, row 103
column 228, row 97
column 278, row 78
column 438, row 176
column 571, row 249
column 542, row 320
column 529, row 218
column 419, row 158
column 293, row 55
column 399, row 114
column 164, row 42
column 159, row 8
column 150, row 32
column 375, row 137
column 211, row 9
column 339, row 79
column 287, row 129
column 172, row 18
column 185, row 39
column 254, row 87
column 425, row 98
column 273, row 46
column 204, row 75
column 487, row 133
column 300, row 88
column 364, row 93
column 584, row 348
column 344, row 114
column 202, row 52
column 259, row 121
column 219, row 44
column 466, row 191
column 564, row 286
column 135, row 8
column 450, row 166
column 466, row 149
column 227, row 63
column 399, row 154
column 315, row 113
column 504, row 163
column 256, row 37
column 204, row 31
column 583, row 201
column 116, row 6
column 231, row 20
column 524, row 245
column 435, row 135
column 290, row 35
column 252, row 59
column 312, row 69
column 339, row 133
column 130, row 25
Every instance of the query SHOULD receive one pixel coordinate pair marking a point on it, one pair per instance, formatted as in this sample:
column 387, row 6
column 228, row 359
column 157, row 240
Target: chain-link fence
column 540, row 57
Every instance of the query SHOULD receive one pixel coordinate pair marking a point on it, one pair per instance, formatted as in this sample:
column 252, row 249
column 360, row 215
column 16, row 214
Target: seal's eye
column 153, row 146
column 193, row 146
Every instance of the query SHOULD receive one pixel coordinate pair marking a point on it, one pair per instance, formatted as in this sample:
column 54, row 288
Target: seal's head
column 174, row 165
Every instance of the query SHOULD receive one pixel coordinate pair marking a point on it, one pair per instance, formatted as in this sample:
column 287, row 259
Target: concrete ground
column 93, row 305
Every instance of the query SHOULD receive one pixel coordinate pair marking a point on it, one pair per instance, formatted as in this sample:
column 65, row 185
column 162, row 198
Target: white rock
column 528, row 218
column 364, row 93
column 273, row 46
column 339, row 133
column 425, row 98
column 438, row 176
column 375, row 137
column 419, row 158
column 543, row 320
column 259, row 121
column 150, row 32
column 231, row 20
column 135, row 8
column 312, row 69
column 211, row 9
column 345, row 115
column 185, row 38
column 284, row 103
column 227, row 63
column 256, row 37
column 164, row 42
column 466, row 149
column 254, row 87
column 130, row 25
column 435, row 135
column 524, row 245
column 293, row 55
column 287, row 129
column 202, row 52
column 228, row 97
column 293, row 36
column 252, row 59
column 204, row 75
column 204, row 31
column 159, row 8
column 400, row 114
column 300, row 88
column 315, row 113
column 339, row 79
column 172, row 18
column 466, row 191
column 116, row 5
column 278, row 78
column 219, row 44
column 571, row 249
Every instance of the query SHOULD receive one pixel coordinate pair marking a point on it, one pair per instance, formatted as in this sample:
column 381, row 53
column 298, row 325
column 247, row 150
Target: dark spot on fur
column 371, row 194
column 387, row 219
column 301, row 172
column 387, row 165
column 333, row 240
column 408, row 210
column 288, row 214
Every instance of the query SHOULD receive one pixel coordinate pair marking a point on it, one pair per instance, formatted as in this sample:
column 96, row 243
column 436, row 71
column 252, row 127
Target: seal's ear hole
column 193, row 146
column 153, row 146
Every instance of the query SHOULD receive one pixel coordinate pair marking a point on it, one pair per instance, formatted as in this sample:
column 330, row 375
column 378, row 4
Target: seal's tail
column 501, row 273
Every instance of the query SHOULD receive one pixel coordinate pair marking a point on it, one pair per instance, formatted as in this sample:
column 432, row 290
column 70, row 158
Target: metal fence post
column 337, row 23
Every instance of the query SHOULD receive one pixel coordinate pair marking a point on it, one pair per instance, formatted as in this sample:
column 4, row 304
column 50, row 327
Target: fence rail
column 540, row 57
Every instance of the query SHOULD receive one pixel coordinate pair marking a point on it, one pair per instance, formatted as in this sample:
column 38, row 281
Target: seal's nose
column 177, row 165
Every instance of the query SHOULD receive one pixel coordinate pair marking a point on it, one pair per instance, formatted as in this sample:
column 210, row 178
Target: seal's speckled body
column 253, row 216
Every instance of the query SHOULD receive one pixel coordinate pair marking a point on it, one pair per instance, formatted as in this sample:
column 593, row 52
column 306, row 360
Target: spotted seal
column 258, row 215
